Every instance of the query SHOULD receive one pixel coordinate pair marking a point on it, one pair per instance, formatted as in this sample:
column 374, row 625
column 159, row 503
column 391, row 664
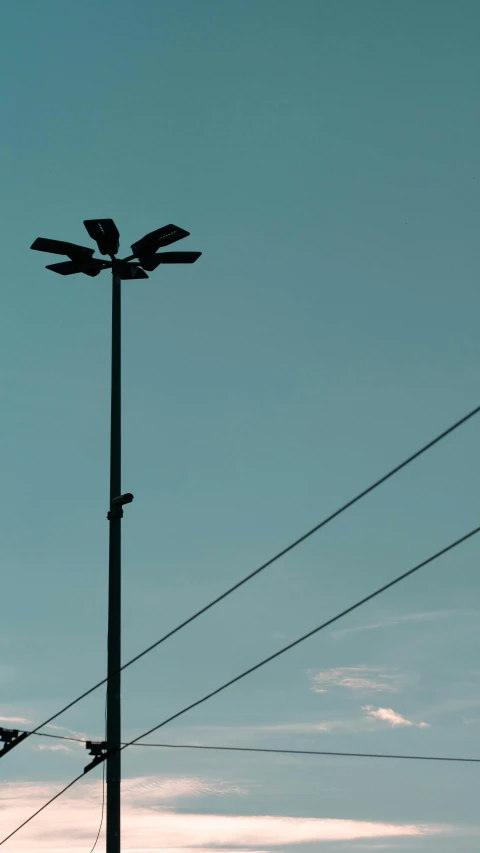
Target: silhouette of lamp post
column 144, row 257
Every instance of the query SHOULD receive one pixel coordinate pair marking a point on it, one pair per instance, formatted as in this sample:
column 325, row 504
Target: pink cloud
column 70, row 824
column 202, row 830
column 388, row 715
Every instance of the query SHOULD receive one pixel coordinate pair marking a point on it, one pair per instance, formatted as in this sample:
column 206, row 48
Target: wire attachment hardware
column 98, row 749
column 10, row 737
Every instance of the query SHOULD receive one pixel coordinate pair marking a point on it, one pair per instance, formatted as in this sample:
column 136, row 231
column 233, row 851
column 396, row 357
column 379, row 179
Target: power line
column 309, row 752
column 260, row 569
column 309, row 634
column 282, row 751
column 57, row 737
column 266, row 660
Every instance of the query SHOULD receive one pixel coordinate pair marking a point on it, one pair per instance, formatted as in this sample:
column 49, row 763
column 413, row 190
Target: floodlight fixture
column 91, row 267
column 158, row 239
column 151, row 262
column 60, row 247
column 105, row 233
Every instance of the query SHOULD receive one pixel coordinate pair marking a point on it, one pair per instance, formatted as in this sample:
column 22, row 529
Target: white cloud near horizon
column 393, row 718
column 70, row 824
column 359, row 678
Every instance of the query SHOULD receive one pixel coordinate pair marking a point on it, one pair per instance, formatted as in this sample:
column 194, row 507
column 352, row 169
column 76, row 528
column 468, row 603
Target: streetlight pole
column 105, row 233
column 113, row 761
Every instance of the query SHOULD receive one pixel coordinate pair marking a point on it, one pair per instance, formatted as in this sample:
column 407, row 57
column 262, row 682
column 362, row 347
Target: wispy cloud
column 299, row 728
column 393, row 718
column 149, row 788
column 21, row 720
column 54, row 747
column 359, row 679
column 73, row 822
column 407, row 618
column 70, row 732
column 247, row 735
column 373, row 719
column 231, row 735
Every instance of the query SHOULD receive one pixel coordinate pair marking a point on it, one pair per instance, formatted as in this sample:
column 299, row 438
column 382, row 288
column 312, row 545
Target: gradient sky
column 325, row 158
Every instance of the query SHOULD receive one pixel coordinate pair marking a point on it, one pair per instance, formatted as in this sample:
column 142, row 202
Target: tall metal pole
column 113, row 761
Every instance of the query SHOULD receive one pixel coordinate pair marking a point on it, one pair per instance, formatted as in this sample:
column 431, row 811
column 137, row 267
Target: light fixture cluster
column 106, row 235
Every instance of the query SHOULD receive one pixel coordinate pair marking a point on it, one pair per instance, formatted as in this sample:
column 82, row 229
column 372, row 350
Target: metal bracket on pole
column 116, row 510
column 98, row 750
column 10, row 737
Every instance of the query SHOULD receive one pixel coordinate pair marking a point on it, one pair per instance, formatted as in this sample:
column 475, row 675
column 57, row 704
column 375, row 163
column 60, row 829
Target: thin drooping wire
column 304, row 637
column 280, row 751
column 266, row 660
column 264, row 566
column 309, row 752
column 103, row 787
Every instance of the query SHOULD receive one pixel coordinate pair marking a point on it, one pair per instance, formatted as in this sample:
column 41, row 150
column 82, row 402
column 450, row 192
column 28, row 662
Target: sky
column 325, row 159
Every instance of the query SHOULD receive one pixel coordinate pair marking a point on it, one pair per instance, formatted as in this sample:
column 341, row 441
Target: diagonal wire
column 266, row 660
column 260, row 569
column 42, row 808
column 311, row 633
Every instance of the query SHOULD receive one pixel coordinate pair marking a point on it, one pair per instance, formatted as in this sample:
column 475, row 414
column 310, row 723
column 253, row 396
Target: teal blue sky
column 325, row 158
